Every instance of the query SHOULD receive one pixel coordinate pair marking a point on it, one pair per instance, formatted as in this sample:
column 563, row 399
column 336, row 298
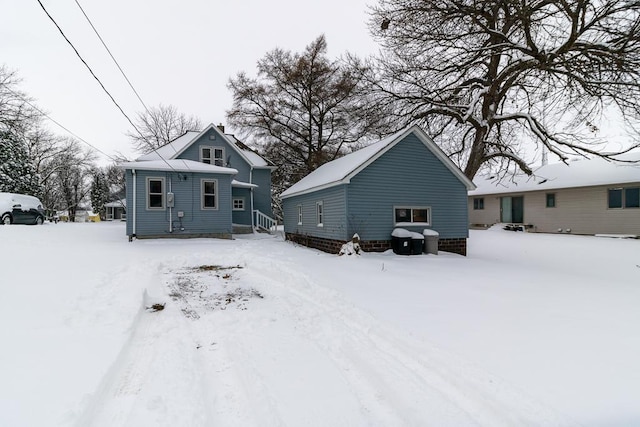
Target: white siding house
column 584, row 197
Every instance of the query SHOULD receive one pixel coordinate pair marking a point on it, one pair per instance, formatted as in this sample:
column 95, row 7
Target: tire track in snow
column 374, row 358
column 153, row 380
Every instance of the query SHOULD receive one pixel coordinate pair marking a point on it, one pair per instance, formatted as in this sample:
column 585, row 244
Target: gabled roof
column 340, row 171
column 177, row 165
column 176, row 147
column 581, row 173
column 172, row 149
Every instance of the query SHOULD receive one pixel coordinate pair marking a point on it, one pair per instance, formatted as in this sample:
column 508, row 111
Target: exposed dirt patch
column 209, row 287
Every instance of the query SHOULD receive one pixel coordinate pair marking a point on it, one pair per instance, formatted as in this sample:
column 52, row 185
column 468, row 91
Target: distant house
column 202, row 184
column 116, row 210
column 404, row 180
column 584, row 197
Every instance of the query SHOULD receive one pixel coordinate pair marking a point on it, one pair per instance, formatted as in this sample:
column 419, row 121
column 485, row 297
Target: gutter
column 133, row 171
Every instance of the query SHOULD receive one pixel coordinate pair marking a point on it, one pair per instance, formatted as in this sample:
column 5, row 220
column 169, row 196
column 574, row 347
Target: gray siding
column 334, row 207
column 407, row 175
column 231, row 155
column 584, row 210
column 262, row 194
column 187, row 200
column 242, row 217
column 260, row 177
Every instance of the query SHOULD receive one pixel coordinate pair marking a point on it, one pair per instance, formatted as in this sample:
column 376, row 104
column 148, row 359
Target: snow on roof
column 171, row 149
column 341, row 170
column 178, row 145
column 122, row 203
column 252, row 157
column 581, row 173
column 177, row 165
column 240, row 184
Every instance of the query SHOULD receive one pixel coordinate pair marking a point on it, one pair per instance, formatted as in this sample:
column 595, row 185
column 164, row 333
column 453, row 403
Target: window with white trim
column 218, row 156
column 208, row 189
column 320, row 213
column 412, row 215
column 155, row 193
column 299, row 214
column 238, row 204
column 205, row 155
column 212, row 155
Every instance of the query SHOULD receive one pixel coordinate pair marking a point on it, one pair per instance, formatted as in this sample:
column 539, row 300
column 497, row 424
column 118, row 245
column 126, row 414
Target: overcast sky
column 174, row 52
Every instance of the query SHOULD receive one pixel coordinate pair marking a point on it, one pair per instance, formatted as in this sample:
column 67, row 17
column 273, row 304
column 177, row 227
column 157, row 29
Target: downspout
column 253, row 221
column 133, row 171
column 170, row 209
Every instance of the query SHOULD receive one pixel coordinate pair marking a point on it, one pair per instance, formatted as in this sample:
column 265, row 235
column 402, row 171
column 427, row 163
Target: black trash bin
column 401, row 241
column 417, row 243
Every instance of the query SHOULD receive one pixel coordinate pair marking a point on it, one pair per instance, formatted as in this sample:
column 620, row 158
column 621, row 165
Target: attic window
column 212, row 136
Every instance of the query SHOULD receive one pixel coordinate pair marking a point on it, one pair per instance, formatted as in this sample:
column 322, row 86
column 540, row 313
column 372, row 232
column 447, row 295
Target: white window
column 206, row 155
column 238, row 204
column 299, row 214
column 212, row 155
column 320, row 213
column 209, row 193
column 419, row 215
column 155, row 193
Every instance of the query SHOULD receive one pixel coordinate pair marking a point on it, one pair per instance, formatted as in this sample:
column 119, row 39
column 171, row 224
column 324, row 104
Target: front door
column 512, row 209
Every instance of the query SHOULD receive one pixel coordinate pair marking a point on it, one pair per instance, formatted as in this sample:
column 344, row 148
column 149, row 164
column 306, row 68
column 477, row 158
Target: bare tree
column 302, row 110
column 15, row 112
column 159, row 126
column 486, row 77
column 67, row 179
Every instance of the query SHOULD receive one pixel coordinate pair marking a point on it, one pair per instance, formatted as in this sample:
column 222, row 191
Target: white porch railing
column 264, row 222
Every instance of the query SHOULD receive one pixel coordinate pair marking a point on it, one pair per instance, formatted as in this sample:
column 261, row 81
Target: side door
column 19, row 216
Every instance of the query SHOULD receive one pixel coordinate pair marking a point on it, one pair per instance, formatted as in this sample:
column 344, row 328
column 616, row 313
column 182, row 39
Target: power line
column 113, row 58
column 97, row 79
column 87, row 65
column 121, row 71
column 58, row 123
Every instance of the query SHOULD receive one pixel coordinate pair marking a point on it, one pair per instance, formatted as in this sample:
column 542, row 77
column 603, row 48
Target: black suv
column 20, row 209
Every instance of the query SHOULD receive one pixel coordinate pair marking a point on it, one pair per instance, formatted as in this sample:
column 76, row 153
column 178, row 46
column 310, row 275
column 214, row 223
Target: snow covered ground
column 527, row 330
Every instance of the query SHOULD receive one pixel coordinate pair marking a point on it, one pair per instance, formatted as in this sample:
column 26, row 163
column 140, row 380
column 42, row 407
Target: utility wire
column 96, row 77
column 98, row 80
column 122, row 72
column 87, row 65
column 58, row 123
column 114, row 59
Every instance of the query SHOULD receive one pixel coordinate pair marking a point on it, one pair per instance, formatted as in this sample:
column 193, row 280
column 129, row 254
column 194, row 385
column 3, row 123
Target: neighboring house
column 116, row 210
column 202, row 184
column 584, row 197
column 83, row 214
column 405, row 181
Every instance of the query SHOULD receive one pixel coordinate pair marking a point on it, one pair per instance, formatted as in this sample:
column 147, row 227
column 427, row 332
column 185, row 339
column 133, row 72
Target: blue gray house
column 202, row 184
column 404, row 180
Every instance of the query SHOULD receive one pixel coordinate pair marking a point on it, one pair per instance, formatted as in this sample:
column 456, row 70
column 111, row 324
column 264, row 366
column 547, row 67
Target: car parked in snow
column 20, row 209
